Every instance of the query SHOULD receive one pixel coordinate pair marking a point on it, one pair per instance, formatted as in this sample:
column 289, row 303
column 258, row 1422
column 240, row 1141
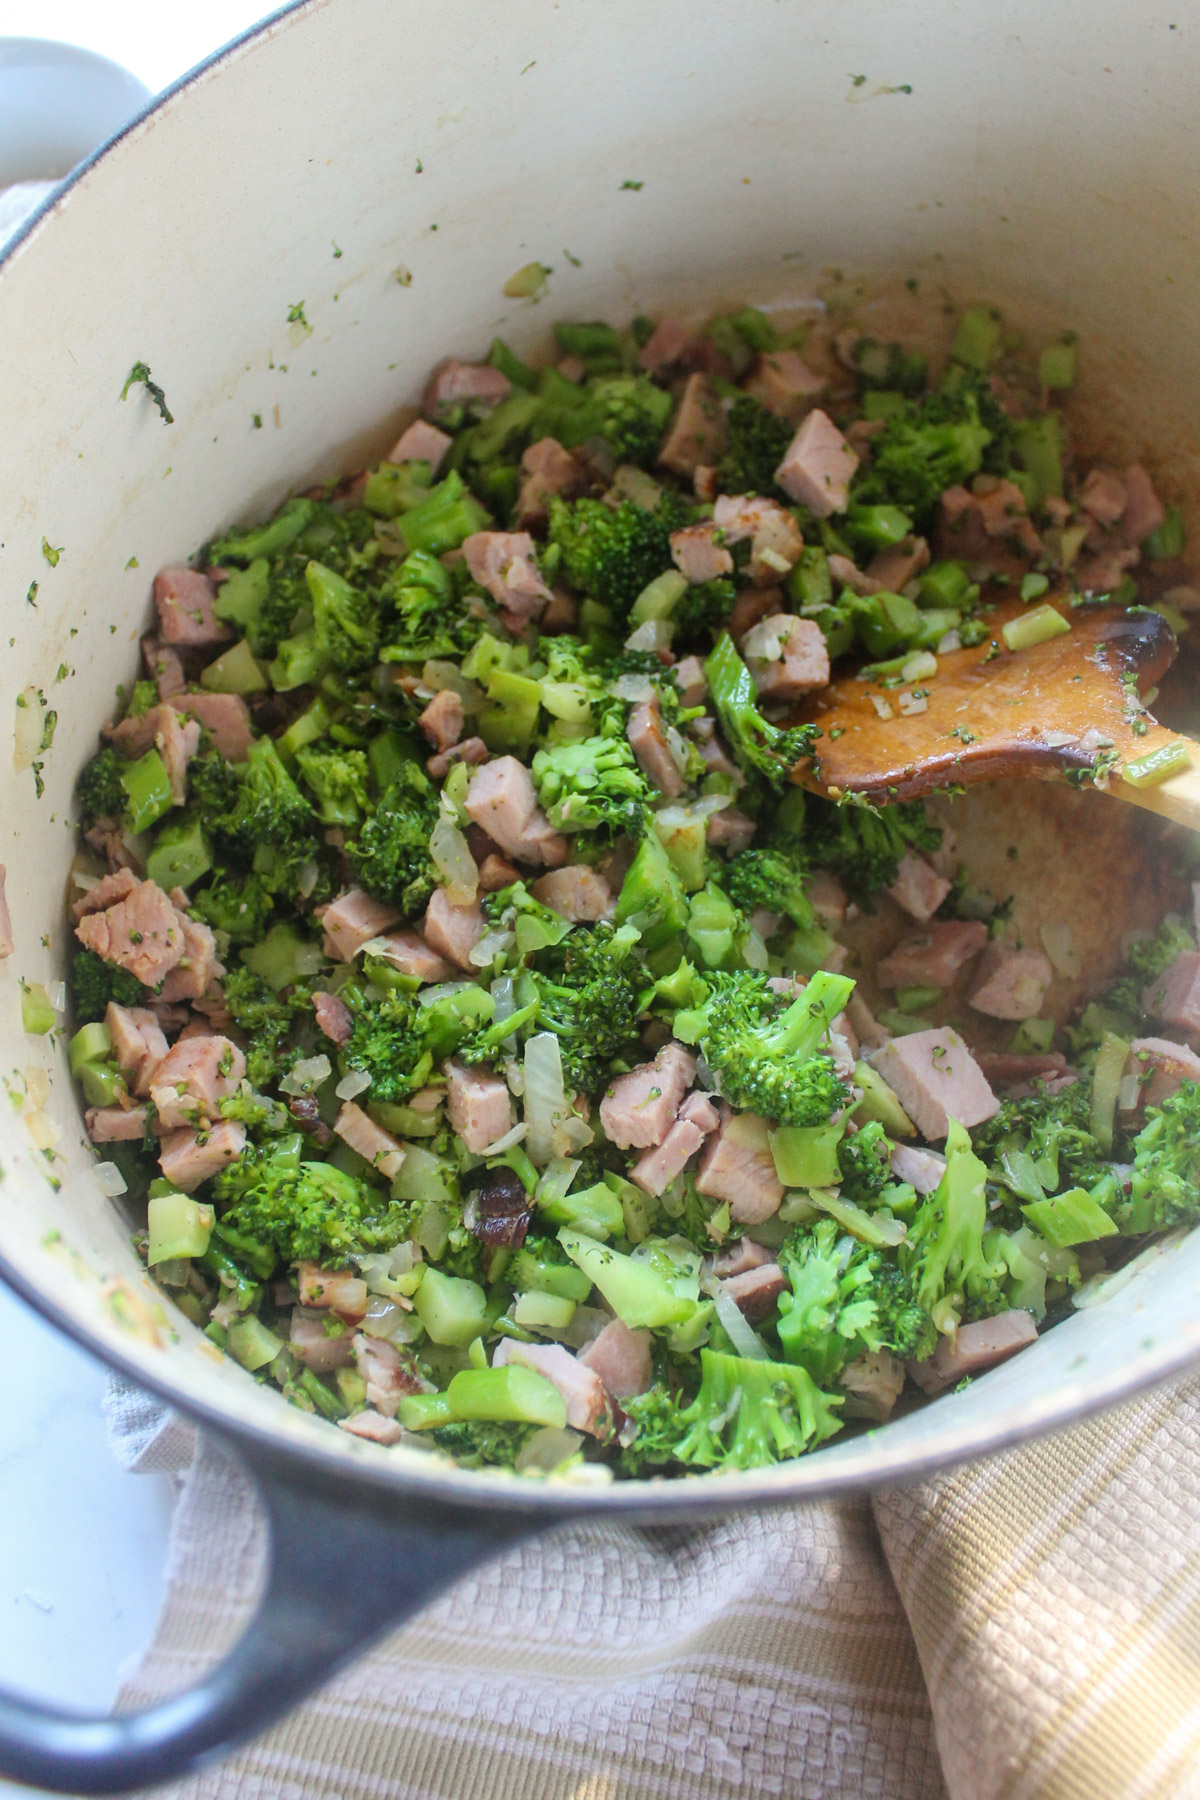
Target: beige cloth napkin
column 1026, row 1629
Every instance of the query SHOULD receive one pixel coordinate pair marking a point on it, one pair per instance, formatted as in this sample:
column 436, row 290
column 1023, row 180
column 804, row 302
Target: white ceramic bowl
column 1042, row 158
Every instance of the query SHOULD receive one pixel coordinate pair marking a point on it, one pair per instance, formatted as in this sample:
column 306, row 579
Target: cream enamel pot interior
column 1044, row 158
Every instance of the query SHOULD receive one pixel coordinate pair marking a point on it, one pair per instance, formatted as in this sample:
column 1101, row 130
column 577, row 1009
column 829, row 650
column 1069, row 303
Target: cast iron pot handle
column 346, row 1563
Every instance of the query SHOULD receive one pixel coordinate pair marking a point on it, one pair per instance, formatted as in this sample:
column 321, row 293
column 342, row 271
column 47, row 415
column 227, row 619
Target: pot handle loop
column 346, row 1563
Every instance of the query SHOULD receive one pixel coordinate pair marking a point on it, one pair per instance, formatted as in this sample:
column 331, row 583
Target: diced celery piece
column 805, row 1156
column 1034, row 627
column 1070, row 1218
column 101, row 1083
column 37, row 1015
column 91, row 1043
column 511, row 721
column 179, row 1226
column 298, row 661
column 880, row 1103
column 594, row 1210
column 944, row 584
column 181, row 854
column 234, row 672
column 510, row 364
column 543, row 1311
column 1106, row 1086
column 660, row 598
column 808, row 583
column 638, row 1293
column 567, row 700
column 326, row 1402
column 978, row 337
column 916, row 999
column 1038, row 444
column 1158, row 765
column 1058, row 364
column 452, row 1310
column 352, row 1388
column 148, row 790
column 283, row 957
column 312, row 725
column 1032, row 1037
column 251, row 1344
column 878, row 527
column 1168, row 540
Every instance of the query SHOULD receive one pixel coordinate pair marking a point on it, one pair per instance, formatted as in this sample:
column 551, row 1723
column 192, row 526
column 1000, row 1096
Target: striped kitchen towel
column 1024, row 1629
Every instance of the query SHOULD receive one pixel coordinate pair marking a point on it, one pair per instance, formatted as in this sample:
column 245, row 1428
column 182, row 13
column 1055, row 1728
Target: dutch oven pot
column 390, row 165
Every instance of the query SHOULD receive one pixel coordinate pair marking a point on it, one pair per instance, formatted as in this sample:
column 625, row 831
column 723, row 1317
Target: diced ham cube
column 351, row 921
column 1175, row 996
column 138, row 1044
column 713, row 754
column 548, row 470
column 336, row 1290
column 421, row 442
column 802, row 665
column 647, row 735
column 141, row 933
column 108, row 889
column 371, row 1141
column 918, row 888
column 389, row 1373
column 502, row 563
column 333, row 1017
column 372, row 1426
column 892, row 569
column 847, row 574
column 501, row 800
column 697, row 433
column 471, row 750
column 579, row 892
column 1144, row 511
column 198, row 967
column 453, row 931
column 163, row 667
column 936, row 1079
column 995, row 530
column 817, row 466
column 315, row 1346
column 1005, row 514
column 408, row 952
column 698, row 1109
column 184, row 598
column 922, row 1169
column 454, row 382
column 785, row 385
column 621, row 1358
column 730, row 830
column 755, row 1291
column 478, row 1106
column 751, row 605
column 225, row 717
column 495, row 873
column 1102, row 573
column 691, row 681
column 666, row 345
column 187, row 1157
column 115, row 1125
column 737, row 1166
column 656, row 1169
column 738, row 1257
column 974, row 1348
column 1011, row 984
column 1103, row 495
column 934, row 957
column 698, row 553
column 639, row 1108
column 194, row 1077
column 176, row 741
column 442, row 720
column 580, row 1386
column 873, row 1383
column 1168, row 1065
column 776, row 541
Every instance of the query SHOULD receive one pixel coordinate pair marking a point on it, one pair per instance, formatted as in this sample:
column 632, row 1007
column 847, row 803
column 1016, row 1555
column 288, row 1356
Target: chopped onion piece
column 84, row 881
column 491, row 945
column 951, row 641
column 572, row 1133
column 307, row 1074
column 762, row 643
column 547, row 1450
column 1058, row 941
column 556, row 1178
column 654, row 634
column 501, row 1144
column 356, row 1082
column 882, row 707
column 37, row 1085
column 912, row 704
column 110, row 1180
column 741, row 1334
column 441, row 990
column 1058, row 740
column 307, row 879
column 42, row 1129
column 677, row 748
column 1129, row 1092
column 381, row 1317
column 451, row 856
column 635, row 688
column 545, row 1095
column 57, row 995
column 514, row 1074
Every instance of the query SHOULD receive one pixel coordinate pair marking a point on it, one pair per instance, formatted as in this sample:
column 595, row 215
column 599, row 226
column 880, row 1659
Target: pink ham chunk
column 421, row 442
column 454, row 382
column 198, row 967
column 184, row 598
column 443, row 719
column 974, row 1348
column 776, row 541
column 620, row 1356
column 193, row 1078
column 639, row 1108
column 1144, row 511
column 470, row 750
column 699, row 554
column 495, row 873
column 138, row 1044
column 547, row 470
column 408, row 952
column 225, row 717
column 918, row 887
column 188, row 1157
column 691, row 681
column 502, row 563
column 1007, row 1069
column 994, row 528
column 817, row 466
column 739, row 1256
column 176, row 740
column 936, row 1079
column 829, row 899
column 141, row 933
column 697, row 432
column 478, row 1106
column 453, row 931
column 375, row 1145
column 934, row 957
column 666, row 345
column 581, row 1387
column 922, row 1169
column 737, row 1166
column 1103, row 495
column 334, row 1017
column 164, row 668
column 315, row 1346
column 729, row 830
column 335, row 1290
column 756, row 1291
column 785, row 385
column 578, row 893
column 647, row 736
column 1011, row 984
column 1167, row 1064
column 372, row 1427
column 656, row 1170
column 389, row 1372
column 351, row 921
column 501, row 800
column 803, row 663
column 892, row 569
column 1175, row 996
column 115, row 1124
column 108, row 890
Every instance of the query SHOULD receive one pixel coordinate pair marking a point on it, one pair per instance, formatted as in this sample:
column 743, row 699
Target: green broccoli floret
column 304, row 1212
column 774, row 878
column 846, row 1301
column 701, row 612
column 95, row 982
column 756, row 440
column 345, row 620
column 627, row 411
column 864, row 844
column 213, row 787
column 865, row 1161
column 758, row 746
column 397, row 1041
column 483, row 1443
column 143, row 697
column 237, row 904
column 767, row 1057
column 593, row 785
column 391, row 854
column 99, row 791
column 609, row 553
column 746, row 1415
column 269, row 811
column 337, row 777
column 264, row 1019
column 934, row 444
column 1165, row 1184
column 1043, row 1143
column 889, row 366
column 943, row 1254
column 1149, row 957
column 589, row 987
column 423, row 617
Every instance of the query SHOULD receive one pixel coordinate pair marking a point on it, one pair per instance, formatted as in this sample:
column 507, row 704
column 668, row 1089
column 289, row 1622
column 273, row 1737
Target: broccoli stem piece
column 758, row 746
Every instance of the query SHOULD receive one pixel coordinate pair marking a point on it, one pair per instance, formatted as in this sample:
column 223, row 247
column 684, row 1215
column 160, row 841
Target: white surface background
column 82, row 1545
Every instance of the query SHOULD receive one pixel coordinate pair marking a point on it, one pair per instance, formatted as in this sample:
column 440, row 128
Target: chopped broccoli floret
column 628, row 411
column 864, row 844
column 767, row 1056
column 337, row 778
column 943, row 1254
column 95, row 982
column 312, row 1212
column 237, row 904
column 397, row 1041
column 483, row 1443
column 609, row 553
column 596, row 784
column 99, row 791
column 268, row 808
column 865, row 1161
column 424, row 618
column 264, row 1018
column 1043, row 1143
column 934, row 444
column 345, row 619
column 755, row 445
column 588, row 989
column 758, row 746
column 746, row 1415
column 391, row 854
column 1149, row 957
column 1165, row 1183
column 846, row 1301
column 769, row 877
column 889, row 366
column 698, row 617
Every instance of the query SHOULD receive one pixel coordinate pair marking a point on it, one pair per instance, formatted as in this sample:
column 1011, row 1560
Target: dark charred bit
column 307, row 1114
column 498, row 1212
column 1139, row 640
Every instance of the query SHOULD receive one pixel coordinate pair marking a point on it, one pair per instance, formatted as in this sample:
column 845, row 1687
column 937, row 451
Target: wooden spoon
column 991, row 712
